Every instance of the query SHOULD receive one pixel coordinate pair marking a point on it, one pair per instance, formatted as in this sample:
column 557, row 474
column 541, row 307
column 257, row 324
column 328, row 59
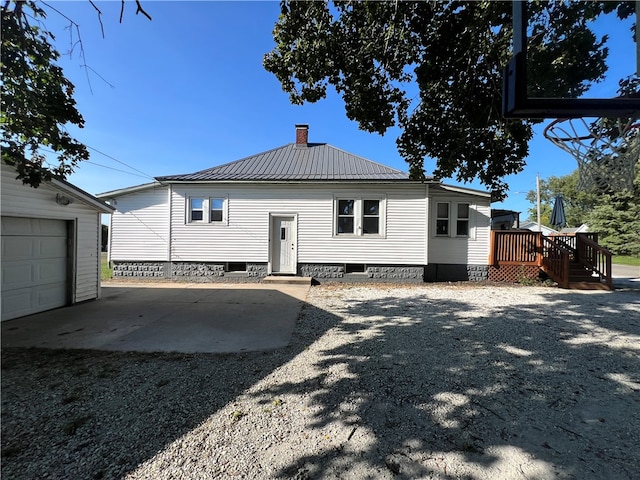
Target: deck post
column 492, row 249
column 539, row 250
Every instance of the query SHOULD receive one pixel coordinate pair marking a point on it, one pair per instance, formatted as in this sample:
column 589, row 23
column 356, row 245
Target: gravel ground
column 379, row 382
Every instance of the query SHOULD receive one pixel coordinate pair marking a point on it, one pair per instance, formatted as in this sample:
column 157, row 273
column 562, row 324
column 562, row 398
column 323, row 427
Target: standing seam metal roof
column 316, row 161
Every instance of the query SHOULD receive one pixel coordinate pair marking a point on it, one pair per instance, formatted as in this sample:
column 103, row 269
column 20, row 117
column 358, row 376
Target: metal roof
column 312, row 161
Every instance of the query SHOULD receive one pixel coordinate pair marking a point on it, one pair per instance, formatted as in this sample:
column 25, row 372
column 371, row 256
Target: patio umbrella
column 558, row 218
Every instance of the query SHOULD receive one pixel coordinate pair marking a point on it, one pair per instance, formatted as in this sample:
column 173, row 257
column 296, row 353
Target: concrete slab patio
column 167, row 317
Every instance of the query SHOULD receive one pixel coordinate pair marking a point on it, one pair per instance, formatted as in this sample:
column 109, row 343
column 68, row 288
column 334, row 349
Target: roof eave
column 127, row 190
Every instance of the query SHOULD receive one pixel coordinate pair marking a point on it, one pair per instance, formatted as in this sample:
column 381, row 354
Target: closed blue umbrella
column 558, row 218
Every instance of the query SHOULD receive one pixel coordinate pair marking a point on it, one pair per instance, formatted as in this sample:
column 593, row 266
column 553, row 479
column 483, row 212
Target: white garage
column 50, row 245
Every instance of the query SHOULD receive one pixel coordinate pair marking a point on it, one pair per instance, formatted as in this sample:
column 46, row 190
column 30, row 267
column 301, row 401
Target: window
column 442, row 219
column 359, row 216
column 346, row 216
column 462, row 223
column 196, row 209
column 207, row 210
column 453, row 219
column 217, row 209
column 371, row 217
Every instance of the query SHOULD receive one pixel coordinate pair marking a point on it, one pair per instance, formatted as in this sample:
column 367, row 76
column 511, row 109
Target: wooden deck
column 573, row 261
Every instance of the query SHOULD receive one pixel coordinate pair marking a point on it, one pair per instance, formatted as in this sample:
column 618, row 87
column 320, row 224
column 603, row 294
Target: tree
column 578, row 203
column 37, row 99
column 616, row 218
column 435, row 70
column 615, row 215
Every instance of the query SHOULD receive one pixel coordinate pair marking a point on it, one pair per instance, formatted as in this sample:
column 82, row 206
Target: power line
column 116, row 169
column 120, row 162
column 142, row 174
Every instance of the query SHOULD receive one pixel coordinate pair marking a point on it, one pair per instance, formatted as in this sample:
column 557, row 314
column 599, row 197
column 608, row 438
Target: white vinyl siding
column 246, row 238
column 18, row 200
column 140, row 226
column 454, row 248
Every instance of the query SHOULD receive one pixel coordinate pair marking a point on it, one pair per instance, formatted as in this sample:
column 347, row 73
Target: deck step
column 587, row 285
column 287, row 280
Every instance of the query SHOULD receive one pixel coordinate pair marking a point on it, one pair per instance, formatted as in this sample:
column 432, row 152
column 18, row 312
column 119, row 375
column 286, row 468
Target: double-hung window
column 207, row 210
column 453, row 219
column 442, row 219
column 371, row 217
column 216, row 209
column 462, row 222
column 359, row 216
column 196, row 209
column 346, row 218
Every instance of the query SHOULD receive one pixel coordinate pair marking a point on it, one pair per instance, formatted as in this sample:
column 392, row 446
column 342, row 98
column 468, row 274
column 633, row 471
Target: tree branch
column 99, row 16
column 139, row 9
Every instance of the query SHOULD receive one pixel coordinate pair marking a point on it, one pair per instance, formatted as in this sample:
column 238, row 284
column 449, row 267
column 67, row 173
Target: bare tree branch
column 139, row 9
column 99, row 16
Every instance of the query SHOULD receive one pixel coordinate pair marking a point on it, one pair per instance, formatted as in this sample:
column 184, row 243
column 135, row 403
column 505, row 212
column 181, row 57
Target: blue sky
column 187, row 91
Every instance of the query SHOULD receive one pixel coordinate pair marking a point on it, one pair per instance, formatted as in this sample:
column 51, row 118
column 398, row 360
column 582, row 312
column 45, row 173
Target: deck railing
column 555, row 260
column 515, row 248
column 596, row 258
column 552, row 254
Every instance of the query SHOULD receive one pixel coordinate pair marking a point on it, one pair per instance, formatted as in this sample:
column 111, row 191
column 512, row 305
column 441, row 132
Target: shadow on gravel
column 112, row 411
column 547, row 390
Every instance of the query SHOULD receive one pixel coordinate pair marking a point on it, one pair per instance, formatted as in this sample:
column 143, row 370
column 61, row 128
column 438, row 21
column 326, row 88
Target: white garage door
column 34, row 265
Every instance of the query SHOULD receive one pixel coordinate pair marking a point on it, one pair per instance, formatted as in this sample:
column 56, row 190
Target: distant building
column 504, row 219
column 581, row 229
column 533, row 226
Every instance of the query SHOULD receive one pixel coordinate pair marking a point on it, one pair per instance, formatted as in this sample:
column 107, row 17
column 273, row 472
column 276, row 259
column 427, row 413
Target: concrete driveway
column 169, row 318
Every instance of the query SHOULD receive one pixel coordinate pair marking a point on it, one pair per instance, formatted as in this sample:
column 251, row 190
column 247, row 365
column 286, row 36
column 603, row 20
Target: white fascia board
column 127, row 190
column 468, row 191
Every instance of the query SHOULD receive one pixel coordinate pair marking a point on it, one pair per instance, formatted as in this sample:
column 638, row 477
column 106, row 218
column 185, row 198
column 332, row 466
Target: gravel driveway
column 379, row 382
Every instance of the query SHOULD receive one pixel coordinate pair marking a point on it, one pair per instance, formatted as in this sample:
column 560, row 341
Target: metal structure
column 517, row 104
column 607, row 150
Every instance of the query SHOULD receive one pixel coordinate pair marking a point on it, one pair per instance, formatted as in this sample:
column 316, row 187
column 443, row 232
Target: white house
column 533, row 226
column 306, row 209
column 50, row 245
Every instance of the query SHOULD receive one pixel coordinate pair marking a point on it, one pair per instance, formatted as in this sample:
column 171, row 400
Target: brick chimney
column 302, row 135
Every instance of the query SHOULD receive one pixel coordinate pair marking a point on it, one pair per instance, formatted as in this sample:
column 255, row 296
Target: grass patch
column 106, row 272
column 626, row 260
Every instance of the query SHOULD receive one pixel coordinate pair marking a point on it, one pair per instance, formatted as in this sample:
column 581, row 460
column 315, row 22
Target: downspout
column 99, row 282
column 170, row 193
column 428, row 223
column 110, row 240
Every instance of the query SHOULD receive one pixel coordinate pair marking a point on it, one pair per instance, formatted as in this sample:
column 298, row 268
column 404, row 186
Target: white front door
column 283, row 244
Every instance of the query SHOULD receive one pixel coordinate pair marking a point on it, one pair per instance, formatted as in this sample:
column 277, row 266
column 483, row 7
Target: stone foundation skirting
column 477, row 273
column 189, row 271
column 255, row 272
column 139, row 269
column 362, row 273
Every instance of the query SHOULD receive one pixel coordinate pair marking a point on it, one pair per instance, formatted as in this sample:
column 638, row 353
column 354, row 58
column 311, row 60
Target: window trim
column 358, row 215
